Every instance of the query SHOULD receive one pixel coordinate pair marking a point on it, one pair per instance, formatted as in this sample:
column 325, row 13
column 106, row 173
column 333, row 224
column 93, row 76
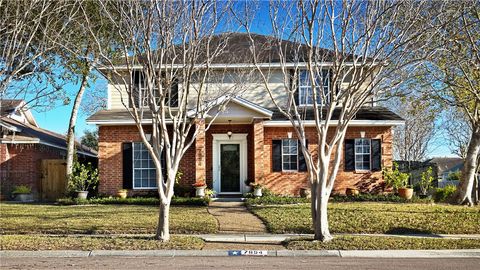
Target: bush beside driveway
column 379, row 218
column 100, row 219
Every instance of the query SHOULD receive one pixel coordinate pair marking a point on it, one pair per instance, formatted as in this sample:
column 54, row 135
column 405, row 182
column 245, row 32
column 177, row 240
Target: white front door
column 229, row 163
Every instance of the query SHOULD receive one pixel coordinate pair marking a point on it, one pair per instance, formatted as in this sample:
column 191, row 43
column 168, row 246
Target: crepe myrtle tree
column 169, row 69
column 352, row 53
column 454, row 77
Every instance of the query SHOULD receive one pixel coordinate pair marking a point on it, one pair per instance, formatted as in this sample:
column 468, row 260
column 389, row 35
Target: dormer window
column 142, row 95
column 305, row 92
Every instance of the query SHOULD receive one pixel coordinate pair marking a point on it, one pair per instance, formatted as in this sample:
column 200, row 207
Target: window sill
column 144, row 188
column 362, row 171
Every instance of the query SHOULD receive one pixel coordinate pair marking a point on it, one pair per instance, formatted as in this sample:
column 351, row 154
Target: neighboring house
column 23, row 145
column 441, row 169
column 262, row 146
column 445, row 166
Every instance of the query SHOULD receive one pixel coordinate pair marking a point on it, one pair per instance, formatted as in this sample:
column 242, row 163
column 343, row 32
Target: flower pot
column 82, row 195
column 305, row 193
column 352, row 192
column 200, row 192
column 257, row 192
column 24, row 197
column 122, row 194
column 247, row 189
column 406, row 193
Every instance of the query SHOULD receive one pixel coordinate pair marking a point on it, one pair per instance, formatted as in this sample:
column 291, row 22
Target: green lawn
column 100, row 219
column 363, row 217
column 38, row 242
column 376, row 243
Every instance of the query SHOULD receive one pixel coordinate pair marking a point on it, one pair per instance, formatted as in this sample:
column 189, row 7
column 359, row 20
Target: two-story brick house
column 250, row 140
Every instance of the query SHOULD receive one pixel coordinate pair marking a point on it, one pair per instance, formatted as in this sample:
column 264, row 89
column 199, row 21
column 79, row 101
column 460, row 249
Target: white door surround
column 219, row 139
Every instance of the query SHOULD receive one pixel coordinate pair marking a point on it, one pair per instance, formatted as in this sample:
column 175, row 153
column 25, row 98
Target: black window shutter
column 302, row 165
column 349, row 155
column 376, row 158
column 137, row 79
column 294, row 84
column 174, row 94
column 163, row 160
column 277, row 155
column 127, row 150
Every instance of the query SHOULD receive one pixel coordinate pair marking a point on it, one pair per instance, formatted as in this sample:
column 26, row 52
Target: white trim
column 353, row 123
column 219, row 139
column 252, row 106
column 10, row 126
column 7, row 141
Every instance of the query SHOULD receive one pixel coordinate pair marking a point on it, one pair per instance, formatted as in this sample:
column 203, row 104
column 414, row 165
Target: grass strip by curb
column 38, row 242
column 381, row 243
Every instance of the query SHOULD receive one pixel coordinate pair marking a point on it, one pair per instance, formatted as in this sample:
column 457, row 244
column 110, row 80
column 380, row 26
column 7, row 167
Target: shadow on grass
column 404, row 230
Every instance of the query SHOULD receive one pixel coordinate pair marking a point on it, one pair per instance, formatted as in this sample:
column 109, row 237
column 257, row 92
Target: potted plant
column 352, row 191
column 83, row 178
column 399, row 182
column 248, row 186
column 122, row 193
column 257, row 189
column 425, row 182
column 200, row 187
column 22, row 193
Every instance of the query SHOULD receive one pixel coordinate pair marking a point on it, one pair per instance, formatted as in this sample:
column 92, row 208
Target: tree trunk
column 163, row 228
column 72, row 123
column 320, row 222
column 465, row 189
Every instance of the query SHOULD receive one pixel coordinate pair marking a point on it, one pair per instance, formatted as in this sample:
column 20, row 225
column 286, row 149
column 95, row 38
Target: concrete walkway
column 233, row 217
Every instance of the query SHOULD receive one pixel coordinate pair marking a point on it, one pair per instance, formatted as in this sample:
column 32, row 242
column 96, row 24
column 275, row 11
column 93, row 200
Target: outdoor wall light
column 229, row 132
column 289, row 135
column 362, row 134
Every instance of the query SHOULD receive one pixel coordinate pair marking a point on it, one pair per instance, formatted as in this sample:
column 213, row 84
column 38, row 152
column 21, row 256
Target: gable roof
column 17, row 109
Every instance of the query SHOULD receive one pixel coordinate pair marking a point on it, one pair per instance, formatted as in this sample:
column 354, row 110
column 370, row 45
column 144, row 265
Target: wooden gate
column 54, row 182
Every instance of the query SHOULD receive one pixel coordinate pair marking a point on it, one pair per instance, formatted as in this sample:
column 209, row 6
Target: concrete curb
column 465, row 253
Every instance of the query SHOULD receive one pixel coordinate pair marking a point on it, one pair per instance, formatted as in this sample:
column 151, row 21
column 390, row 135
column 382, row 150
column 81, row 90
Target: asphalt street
column 112, row 262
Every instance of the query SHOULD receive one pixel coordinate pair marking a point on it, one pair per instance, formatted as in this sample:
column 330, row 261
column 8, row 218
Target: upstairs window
column 305, row 92
column 141, row 93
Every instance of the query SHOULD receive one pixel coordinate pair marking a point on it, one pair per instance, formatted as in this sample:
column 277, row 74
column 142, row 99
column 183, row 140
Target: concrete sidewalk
column 473, row 253
column 233, row 217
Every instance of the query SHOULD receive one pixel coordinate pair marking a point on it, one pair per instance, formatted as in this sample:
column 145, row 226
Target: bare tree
column 412, row 141
column 26, row 46
column 454, row 74
column 353, row 52
column 169, row 53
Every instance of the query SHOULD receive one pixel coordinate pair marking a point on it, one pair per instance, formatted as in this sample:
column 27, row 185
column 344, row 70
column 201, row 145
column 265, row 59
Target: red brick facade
column 20, row 164
column 259, row 145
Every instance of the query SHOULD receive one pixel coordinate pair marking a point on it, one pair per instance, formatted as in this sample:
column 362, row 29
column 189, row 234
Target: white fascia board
column 352, row 123
column 119, row 123
column 7, row 141
column 10, row 127
column 253, row 106
column 232, row 66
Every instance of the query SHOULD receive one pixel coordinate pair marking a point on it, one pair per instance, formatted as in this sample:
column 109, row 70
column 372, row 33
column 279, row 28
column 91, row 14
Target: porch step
column 228, row 199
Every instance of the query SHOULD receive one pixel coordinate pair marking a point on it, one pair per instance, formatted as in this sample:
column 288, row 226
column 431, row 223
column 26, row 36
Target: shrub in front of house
column 444, row 194
column 135, row 201
column 362, row 197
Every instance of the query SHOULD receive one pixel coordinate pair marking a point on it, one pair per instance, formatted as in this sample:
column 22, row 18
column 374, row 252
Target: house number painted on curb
column 247, row 253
